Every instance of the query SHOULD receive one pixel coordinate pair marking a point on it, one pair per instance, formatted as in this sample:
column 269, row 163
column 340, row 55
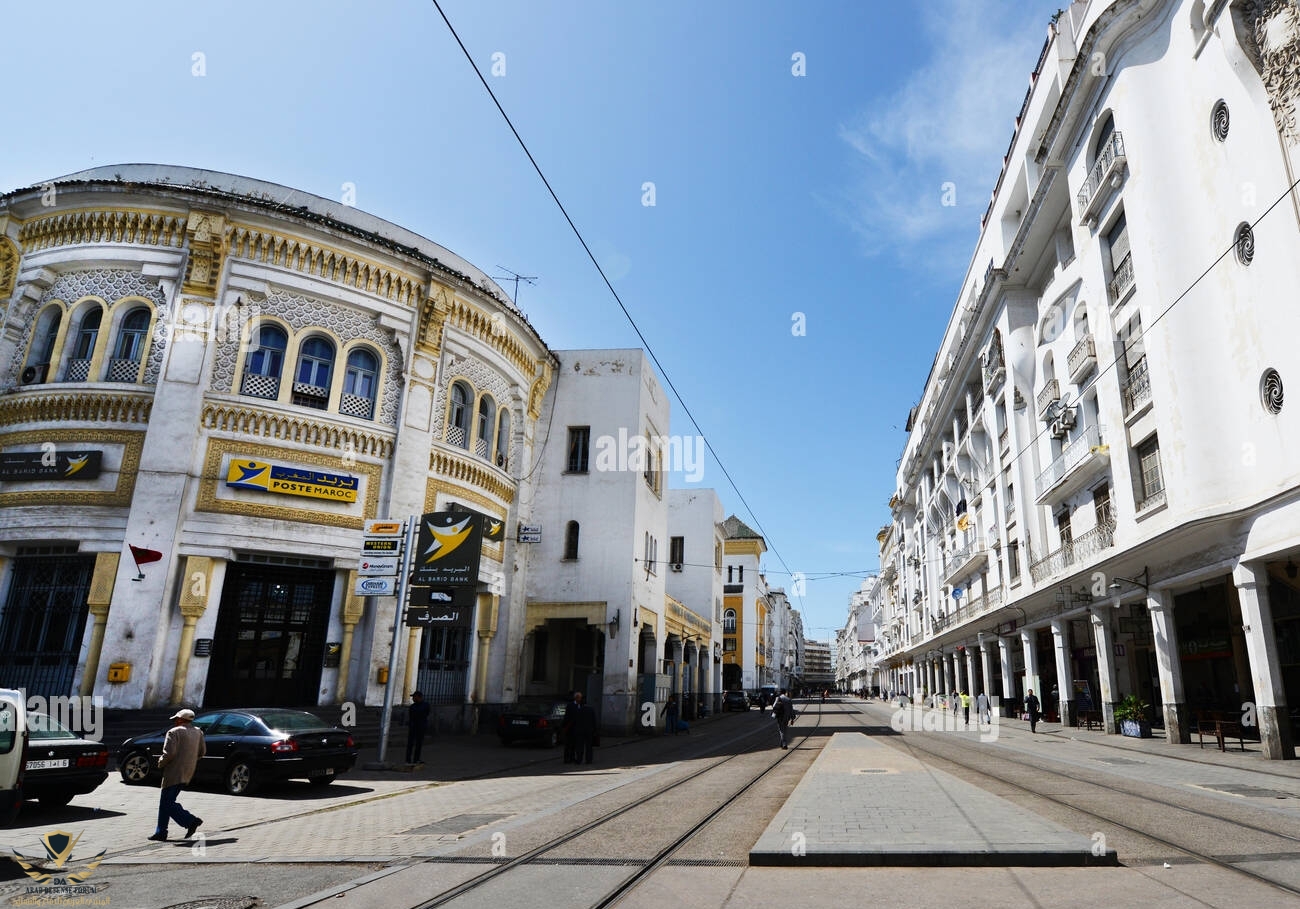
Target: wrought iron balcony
column 1082, row 358
column 1078, row 550
column 1072, row 464
column 965, row 560
column 1122, row 283
column 77, row 371
column 1136, row 389
column 1106, row 175
column 1050, row 394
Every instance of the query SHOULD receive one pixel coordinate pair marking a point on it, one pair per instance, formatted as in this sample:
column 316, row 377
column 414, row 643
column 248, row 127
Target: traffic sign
column 380, row 565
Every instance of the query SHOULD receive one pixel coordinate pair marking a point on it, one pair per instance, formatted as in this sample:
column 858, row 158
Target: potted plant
column 1131, row 715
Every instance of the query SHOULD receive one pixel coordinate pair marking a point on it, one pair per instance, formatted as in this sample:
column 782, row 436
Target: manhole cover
column 219, row 902
column 461, row 823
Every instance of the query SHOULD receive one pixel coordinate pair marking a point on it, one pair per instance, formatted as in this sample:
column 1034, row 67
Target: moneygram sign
column 292, row 481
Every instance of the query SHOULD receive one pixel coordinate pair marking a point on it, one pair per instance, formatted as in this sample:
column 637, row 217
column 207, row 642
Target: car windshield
column 45, row 727
column 292, row 720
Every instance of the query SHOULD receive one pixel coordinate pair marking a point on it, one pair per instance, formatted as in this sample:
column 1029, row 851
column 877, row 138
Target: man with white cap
column 182, row 750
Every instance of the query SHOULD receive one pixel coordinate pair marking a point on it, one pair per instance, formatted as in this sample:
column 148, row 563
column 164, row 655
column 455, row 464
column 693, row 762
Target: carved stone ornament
column 1274, row 28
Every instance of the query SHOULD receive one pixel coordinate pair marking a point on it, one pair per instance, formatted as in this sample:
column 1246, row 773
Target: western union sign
column 291, row 481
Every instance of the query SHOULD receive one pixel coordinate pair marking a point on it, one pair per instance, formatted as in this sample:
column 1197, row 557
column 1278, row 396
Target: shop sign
column 375, row 587
column 49, row 465
column 385, row 528
column 313, row 484
column 434, row 616
column 378, row 566
column 383, row 546
column 448, row 549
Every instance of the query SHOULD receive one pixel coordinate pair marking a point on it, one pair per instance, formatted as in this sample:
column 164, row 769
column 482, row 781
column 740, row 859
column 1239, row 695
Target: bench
column 1091, row 719
column 1220, row 724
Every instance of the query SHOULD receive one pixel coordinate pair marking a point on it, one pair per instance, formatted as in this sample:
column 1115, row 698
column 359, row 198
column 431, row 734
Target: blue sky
column 775, row 194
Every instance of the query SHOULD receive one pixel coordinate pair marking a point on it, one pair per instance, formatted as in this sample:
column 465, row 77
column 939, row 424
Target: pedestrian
column 956, row 702
column 671, row 715
column 783, row 711
column 965, row 707
column 182, row 749
column 580, row 720
column 1032, row 707
column 417, row 723
column 982, row 707
column 570, row 739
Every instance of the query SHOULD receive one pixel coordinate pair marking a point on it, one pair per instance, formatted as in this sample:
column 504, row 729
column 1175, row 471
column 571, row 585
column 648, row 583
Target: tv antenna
column 516, row 278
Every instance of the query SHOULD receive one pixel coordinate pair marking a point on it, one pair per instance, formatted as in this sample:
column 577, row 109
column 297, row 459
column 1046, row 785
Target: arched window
column 311, row 381
column 124, row 366
column 458, row 415
column 571, row 540
column 487, row 412
column 37, row 367
column 729, row 621
column 264, row 363
column 360, row 385
column 83, row 349
column 503, row 440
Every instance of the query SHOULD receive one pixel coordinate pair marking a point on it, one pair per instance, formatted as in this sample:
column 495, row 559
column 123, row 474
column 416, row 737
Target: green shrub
column 1132, row 708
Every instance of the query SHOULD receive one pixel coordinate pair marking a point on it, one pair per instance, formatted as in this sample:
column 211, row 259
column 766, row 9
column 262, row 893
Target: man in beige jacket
column 182, row 750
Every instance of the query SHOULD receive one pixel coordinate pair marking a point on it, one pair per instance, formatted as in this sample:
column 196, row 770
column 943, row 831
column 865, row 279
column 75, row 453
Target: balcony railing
column 965, row 559
column 1080, row 549
column 120, row 370
column 1155, row 500
column 77, row 371
column 1122, row 282
column 1004, row 439
column 1082, row 358
column 1109, row 167
column 993, row 376
column 1077, row 453
column 1050, row 394
column 1136, row 390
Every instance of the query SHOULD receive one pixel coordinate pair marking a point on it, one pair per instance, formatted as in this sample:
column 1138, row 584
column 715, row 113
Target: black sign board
column 447, row 550
column 435, row 616
column 377, row 547
column 333, row 653
column 53, row 465
column 441, row 597
column 203, row 647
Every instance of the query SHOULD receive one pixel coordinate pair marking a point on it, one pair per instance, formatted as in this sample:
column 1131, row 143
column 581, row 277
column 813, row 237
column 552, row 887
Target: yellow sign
column 313, row 484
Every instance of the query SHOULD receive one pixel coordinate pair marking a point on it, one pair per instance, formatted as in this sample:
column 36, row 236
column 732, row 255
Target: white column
column 1161, row 605
column 971, row 683
column 1028, row 641
column 1064, row 671
column 1275, row 733
column 1105, row 642
column 1008, row 681
column 986, row 664
column 947, row 676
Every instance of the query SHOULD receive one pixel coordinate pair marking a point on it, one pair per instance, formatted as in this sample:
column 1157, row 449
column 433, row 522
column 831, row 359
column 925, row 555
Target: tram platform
column 863, row 803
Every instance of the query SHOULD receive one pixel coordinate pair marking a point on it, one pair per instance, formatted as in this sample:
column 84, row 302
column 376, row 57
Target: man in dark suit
column 570, row 715
column 417, row 723
column 580, row 720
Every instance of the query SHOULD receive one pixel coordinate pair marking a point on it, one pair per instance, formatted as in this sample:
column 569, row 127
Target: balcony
column 77, row 371
column 1106, row 176
column 994, row 375
column 1004, row 439
column 1151, row 502
column 1050, row 394
column 1077, row 551
column 1136, row 389
column 1122, row 283
column 1082, row 358
column 971, row 557
column 1076, row 464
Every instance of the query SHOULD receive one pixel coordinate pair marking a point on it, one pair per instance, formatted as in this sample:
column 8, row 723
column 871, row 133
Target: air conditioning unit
column 1058, row 429
column 676, row 566
column 1067, row 418
column 33, row 375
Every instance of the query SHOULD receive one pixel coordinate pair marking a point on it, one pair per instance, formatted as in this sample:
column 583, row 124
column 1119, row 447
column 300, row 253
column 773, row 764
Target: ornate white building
column 1100, row 492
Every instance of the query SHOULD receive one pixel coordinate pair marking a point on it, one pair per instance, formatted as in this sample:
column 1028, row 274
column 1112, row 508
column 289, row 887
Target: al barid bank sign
column 447, row 550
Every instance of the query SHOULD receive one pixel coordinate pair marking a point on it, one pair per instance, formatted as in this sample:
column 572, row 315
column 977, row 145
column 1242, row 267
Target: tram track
column 645, row 867
column 972, row 765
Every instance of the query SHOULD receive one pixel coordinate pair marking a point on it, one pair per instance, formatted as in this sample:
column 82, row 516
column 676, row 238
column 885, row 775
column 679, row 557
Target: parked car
column 60, row 764
column 533, row 721
column 13, row 741
column 735, row 700
column 248, row 748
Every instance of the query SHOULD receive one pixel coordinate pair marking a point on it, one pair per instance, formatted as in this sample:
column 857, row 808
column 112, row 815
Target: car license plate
column 519, row 722
column 328, row 771
column 47, row 765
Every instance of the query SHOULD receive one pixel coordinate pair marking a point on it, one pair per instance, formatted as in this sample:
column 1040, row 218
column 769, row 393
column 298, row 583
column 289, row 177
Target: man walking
column 581, row 722
column 783, row 710
column 1032, row 707
column 417, row 722
column 182, row 749
column 982, row 707
column 671, row 715
column 570, row 739
column 965, row 708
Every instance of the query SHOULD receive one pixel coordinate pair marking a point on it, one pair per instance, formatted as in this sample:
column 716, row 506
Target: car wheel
column 50, row 800
column 320, row 780
column 241, row 779
column 136, row 768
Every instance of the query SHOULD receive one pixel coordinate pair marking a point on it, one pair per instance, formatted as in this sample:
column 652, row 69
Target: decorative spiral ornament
column 1219, row 121
column 1245, row 243
column 1270, row 391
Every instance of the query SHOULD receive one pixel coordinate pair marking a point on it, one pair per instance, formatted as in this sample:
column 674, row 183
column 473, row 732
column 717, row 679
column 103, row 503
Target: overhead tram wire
column 590, row 255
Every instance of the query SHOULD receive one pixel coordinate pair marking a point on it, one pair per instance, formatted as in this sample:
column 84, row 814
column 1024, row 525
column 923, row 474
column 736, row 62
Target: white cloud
column 950, row 122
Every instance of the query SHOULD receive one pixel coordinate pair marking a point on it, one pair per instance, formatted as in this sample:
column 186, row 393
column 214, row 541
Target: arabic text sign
column 385, row 528
column 376, row 587
column 314, row 484
column 447, row 551
column 37, row 465
column 432, row 616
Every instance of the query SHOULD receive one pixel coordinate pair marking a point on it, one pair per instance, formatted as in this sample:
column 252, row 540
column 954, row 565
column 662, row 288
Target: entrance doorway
column 43, row 622
column 270, row 636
